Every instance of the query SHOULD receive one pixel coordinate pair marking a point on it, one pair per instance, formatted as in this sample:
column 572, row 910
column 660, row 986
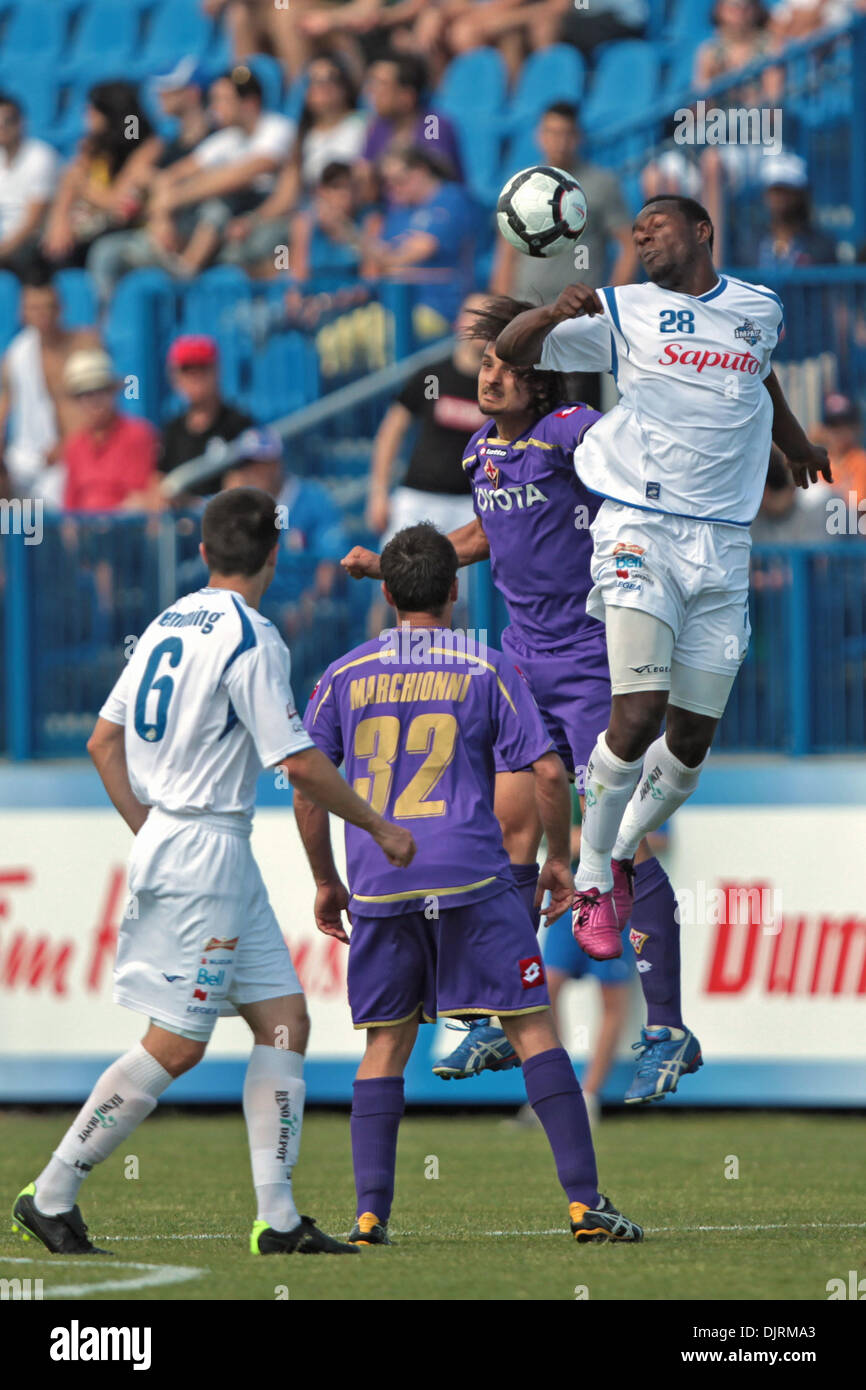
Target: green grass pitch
column 488, row 1227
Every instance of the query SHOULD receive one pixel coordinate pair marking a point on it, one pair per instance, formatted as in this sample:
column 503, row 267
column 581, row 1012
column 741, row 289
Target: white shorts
column 692, row 575
column 200, row 935
column 447, row 510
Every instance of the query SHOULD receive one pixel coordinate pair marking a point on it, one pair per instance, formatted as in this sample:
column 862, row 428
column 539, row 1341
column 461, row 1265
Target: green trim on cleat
column 64, row 1234
column 303, row 1239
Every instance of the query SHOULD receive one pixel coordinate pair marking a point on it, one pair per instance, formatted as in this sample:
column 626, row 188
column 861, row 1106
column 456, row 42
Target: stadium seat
column 285, row 375
column 270, row 74
column 293, row 103
column 10, row 291
column 104, row 41
column 142, row 321
column 551, row 74
column 219, row 303
column 34, row 31
column 481, row 152
column 36, row 91
column 690, row 19
column 680, row 66
column 177, row 28
column 474, row 83
column 77, row 298
column 626, row 83
column 521, row 152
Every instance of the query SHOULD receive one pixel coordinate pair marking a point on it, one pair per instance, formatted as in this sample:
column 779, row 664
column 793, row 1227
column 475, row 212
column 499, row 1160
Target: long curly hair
column 547, row 389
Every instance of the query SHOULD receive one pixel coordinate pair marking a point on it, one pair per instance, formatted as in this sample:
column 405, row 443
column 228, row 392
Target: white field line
column 555, row 1231
column 153, row 1276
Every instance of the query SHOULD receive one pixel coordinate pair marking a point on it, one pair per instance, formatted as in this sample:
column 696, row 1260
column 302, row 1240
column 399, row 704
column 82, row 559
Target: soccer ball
column 541, row 210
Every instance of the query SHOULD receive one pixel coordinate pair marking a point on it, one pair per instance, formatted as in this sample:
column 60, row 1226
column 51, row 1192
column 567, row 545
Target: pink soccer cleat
column 595, row 924
column 623, row 889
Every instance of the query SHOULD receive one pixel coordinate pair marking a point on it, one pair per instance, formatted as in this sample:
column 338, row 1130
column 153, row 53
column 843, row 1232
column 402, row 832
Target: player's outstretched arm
column 805, row 459
column 314, row 776
column 332, row 896
column 470, row 543
column 361, row 563
column 107, row 748
column 522, row 340
column 553, row 798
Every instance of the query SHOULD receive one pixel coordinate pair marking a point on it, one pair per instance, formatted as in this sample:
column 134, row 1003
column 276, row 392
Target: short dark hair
column 239, row 530
column 335, row 172
column 411, row 71
column 244, row 81
column 547, row 388
column 691, row 209
column 419, row 566
column 565, row 109
column 7, row 100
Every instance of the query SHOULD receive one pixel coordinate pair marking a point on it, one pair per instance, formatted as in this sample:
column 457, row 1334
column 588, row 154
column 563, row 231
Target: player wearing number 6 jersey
column 419, row 721
column 680, row 463
column 203, row 705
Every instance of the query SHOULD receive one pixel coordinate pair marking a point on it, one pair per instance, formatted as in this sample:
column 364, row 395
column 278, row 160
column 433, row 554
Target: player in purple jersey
column 416, row 718
column 532, row 519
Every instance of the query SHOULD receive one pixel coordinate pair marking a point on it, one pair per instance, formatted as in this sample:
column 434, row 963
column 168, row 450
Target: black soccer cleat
column 305, row 1239
column 369, row 1230
column 602, row 1223
column 65, row 1234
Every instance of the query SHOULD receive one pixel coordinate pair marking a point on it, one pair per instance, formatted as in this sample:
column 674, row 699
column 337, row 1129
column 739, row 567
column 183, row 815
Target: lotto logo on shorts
column 638, row 940
column 531, row 972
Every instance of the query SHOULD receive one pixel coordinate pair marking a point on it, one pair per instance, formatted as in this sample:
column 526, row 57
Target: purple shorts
column 482, row 958
column 572, row 691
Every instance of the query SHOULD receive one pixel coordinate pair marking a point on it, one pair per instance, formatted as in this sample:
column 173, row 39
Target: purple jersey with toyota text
column 536, row 515
column 415, row 714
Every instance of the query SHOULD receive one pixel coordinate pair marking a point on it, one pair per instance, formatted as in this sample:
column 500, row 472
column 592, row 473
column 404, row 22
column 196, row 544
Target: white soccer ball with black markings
column 541, row 210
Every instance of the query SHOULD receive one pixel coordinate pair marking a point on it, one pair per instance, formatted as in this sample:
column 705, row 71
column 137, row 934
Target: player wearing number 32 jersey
column 680, row 464
column 203, row 705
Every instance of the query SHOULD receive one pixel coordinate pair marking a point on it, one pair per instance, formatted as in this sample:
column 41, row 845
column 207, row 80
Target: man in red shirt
column 111, row 459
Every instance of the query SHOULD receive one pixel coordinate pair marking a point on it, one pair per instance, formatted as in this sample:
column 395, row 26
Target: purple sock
column 377, row 1107
column 654, row 917
column 557, row 1100
column 526, row 878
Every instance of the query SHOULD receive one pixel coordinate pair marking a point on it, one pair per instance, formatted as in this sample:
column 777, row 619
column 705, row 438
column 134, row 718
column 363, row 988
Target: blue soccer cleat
column 663, row 1059
column 483, row 1049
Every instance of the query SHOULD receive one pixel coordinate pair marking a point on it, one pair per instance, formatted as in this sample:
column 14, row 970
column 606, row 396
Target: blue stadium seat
column 285, row 375
column 474, row 83
column 218, row 303
column 10, row 290
column 34, row 31
column 177, row 28
column 270, row 74
column 142, row 321
column 680, row 66
column 77, row 298
column 36, row 91
column 551, row 74
column 481, row 153
column 295, row 97
column 626, row 83
column 522, row 151
column 104, row 41
column 690, row 19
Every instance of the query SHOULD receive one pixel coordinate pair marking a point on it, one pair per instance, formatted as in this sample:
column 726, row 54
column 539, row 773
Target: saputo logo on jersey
column 795, row 954
column 676, row 355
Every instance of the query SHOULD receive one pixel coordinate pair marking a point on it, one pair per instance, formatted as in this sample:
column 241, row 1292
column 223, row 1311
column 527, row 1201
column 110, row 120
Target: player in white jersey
column 203, row 705
column 681, row 461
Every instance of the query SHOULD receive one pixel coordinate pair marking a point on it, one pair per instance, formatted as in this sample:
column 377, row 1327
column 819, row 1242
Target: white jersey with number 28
column 690, row 435
column 206, row 702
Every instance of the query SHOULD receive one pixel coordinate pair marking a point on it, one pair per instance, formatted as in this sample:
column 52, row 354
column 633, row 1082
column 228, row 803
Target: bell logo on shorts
column 638, row 940
column 531, row 972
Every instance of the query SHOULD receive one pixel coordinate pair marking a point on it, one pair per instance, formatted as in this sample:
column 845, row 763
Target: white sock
column 665, row 784
column 274, row 1093
column 609, row 785
column 124, row 1095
